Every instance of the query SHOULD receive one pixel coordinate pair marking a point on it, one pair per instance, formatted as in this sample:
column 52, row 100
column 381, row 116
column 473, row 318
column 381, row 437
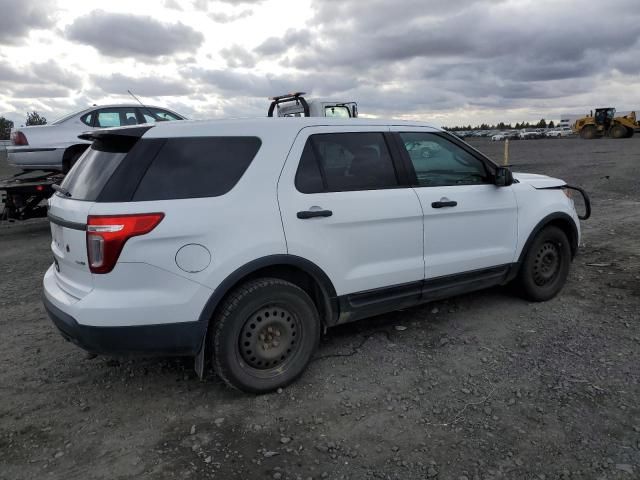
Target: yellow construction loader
column 605, row 123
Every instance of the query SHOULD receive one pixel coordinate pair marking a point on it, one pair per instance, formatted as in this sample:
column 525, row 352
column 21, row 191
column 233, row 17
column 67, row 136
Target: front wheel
column 264, row 335
column 589, row 132
column 545, row 268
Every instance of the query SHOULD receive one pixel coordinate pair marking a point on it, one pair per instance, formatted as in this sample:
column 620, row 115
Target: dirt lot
column 482, row 386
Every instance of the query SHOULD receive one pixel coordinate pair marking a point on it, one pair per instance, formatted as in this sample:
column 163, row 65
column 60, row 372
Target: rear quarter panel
column 235, row 228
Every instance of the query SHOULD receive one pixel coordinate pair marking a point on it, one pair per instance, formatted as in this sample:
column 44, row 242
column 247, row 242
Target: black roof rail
column 289, row 97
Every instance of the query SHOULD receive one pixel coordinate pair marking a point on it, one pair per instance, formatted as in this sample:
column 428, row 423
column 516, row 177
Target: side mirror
column 503, row 177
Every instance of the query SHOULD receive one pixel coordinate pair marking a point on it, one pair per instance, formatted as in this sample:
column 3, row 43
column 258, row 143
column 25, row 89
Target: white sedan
column 56, row 147
column 559, row 132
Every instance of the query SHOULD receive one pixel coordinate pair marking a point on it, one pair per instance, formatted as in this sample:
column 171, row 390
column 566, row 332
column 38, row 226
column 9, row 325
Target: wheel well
column 564, row 223
column 70, row 152
column 299, row 277
column 569, row 230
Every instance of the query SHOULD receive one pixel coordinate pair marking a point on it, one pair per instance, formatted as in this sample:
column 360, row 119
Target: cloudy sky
column 446, row 62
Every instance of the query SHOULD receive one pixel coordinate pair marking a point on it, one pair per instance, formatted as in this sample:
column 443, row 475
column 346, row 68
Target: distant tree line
column 33, row 118
column 504, row 126
column 5, row 128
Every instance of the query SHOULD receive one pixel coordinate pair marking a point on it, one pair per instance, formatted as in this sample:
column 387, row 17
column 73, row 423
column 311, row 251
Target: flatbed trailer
column 24, row 192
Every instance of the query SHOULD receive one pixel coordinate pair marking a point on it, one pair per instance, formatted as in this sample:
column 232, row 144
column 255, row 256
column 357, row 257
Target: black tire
column 630, row 132
column 589, row 132
column 264, row 335
column 546, row 264
column 618, row 131
column 68, row 164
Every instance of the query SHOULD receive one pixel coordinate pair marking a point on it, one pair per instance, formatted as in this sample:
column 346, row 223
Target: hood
column 539, row 181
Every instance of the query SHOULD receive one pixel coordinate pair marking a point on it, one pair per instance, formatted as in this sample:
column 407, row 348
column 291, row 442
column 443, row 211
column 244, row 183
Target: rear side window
column 345, row 162
column 87, row 119
column 93, row 169
column 197, row 167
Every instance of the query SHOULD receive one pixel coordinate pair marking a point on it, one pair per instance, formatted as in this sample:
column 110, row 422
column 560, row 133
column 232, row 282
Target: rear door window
column 346, row 162
column 197, row 167
column 116, row 117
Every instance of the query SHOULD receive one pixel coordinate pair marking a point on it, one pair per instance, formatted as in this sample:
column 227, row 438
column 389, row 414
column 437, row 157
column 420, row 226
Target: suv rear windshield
column 131, row 169
column 88, row 177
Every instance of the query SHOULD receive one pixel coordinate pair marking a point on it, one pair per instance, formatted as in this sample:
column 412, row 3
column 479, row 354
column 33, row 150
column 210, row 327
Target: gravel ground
column 481, row 386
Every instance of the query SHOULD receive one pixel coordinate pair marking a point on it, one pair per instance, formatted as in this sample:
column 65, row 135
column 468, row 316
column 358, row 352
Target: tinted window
column 164, row 115
column 308, row 176
column 87, row 178
column 349, row 161
column 152, row 115
column 197, row 167
column 440, row 162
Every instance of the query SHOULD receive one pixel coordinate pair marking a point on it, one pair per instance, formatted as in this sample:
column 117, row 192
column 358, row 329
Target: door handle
column 440, row 204
column 314, row 213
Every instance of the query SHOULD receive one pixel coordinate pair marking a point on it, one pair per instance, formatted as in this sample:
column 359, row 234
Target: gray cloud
column 221, row 17
column 40, row 91
column 237, row 56
column 490, row 54
column 279, row 45
column 172, row 4
column 142, row 86
column 47, row 73
column 123, row 35
column 18, row 18
column 241, row 84
column 203, row 5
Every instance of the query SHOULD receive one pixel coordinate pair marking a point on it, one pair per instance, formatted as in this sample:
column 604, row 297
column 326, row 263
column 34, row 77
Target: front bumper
column 183, row 338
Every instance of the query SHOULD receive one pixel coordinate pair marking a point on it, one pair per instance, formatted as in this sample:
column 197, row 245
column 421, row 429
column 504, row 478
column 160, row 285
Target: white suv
column 239, row 241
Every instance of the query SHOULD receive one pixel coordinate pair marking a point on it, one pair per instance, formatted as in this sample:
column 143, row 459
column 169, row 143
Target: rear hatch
column 69, row 208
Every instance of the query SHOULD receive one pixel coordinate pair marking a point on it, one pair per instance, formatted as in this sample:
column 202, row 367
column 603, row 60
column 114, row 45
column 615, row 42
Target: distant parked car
column 56, row 147
column 559, row 132
column 529, row 134
column 498, row 137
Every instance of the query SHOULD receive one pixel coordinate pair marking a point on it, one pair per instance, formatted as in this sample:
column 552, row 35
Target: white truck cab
column 295, row 105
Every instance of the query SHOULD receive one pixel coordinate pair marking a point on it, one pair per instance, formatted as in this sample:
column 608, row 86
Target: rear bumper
column 127, row 319
column 182, row 338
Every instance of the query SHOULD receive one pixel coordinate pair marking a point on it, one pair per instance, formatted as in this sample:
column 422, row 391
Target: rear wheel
column 265, row 335
column 618, row 131
column 630, row 132
column 545, row 267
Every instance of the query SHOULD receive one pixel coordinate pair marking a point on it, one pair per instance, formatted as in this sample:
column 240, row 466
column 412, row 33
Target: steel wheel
column 268, row 338
column 264, row 335
column 546, row 264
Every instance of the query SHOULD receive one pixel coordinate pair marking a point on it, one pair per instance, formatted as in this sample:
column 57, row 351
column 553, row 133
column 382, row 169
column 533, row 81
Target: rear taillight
column 107, row 234
column 18, row 138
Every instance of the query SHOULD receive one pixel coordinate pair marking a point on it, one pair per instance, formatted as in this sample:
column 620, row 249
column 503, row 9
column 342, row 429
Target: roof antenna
column 143, row 105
